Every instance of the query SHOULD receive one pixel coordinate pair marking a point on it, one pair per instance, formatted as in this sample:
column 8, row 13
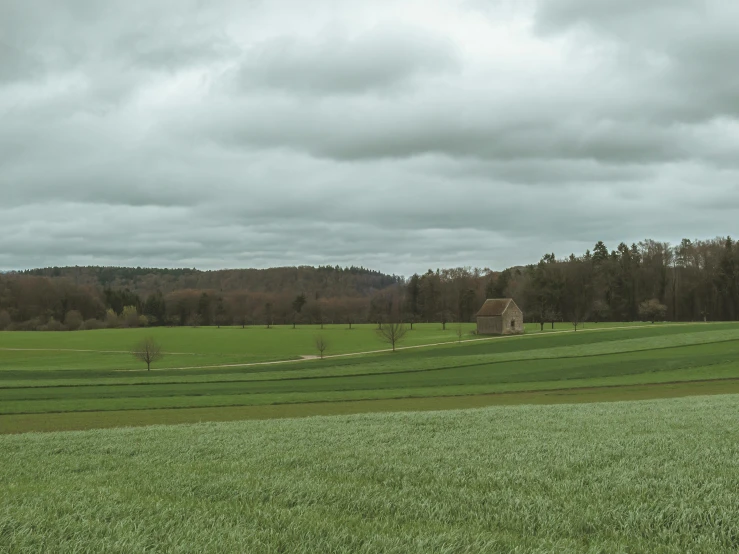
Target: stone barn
column 499, row 316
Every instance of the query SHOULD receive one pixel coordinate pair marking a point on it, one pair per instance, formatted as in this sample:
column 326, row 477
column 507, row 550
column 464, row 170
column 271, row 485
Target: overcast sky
column 397, row 135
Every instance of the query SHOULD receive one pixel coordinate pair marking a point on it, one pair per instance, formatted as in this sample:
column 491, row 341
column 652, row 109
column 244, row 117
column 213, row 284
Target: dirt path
column 308, row 357
column 398, row 348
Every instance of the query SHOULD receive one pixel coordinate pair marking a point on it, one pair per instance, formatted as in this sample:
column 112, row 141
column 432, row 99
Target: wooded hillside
column 648, row 281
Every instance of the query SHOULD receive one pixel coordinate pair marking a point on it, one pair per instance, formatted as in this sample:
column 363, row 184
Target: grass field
column 46, row 383
column 638, row 477
column 187, row 346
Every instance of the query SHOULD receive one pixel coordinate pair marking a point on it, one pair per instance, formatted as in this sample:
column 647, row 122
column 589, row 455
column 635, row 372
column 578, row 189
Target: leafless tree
column 411, row 319
column 148, row 351
column 444, row 317
column 392, row 333
column 268, row 314
column 321, row 345
column 578, row 317
column 460, row 332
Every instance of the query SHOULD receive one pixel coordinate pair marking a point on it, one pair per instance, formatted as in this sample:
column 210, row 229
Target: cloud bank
column 400, row 136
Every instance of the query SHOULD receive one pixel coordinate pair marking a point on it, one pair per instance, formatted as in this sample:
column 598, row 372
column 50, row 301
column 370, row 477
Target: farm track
column 309, row 357
column 403, row 348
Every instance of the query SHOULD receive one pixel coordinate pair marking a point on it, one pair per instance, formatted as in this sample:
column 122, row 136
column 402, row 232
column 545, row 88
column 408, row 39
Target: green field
column 56, row 381
column 187, row 347
column 637, row 477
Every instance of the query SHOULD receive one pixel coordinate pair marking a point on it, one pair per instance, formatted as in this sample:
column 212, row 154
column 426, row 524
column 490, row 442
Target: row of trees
column 326, row 281
column 149, row 351
column 646, row 281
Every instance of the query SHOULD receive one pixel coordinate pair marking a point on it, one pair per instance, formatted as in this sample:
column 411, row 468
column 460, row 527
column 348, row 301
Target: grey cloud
column 15, row 65
column 681, row 50
column 174, row 47
column 540, row 172
column 619, row 18
column 400, row 129
column 351, row 140
column 110, row 49
column 380, row 58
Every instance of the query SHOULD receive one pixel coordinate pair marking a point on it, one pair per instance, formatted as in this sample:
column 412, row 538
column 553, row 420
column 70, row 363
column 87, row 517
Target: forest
column 648, row 281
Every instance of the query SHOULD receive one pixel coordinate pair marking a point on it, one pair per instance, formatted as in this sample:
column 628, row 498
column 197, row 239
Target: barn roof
column 494, row 307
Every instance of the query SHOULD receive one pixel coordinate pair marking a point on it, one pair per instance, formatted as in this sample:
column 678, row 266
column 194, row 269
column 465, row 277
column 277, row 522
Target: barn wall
column 489, row 326
column 514, row 315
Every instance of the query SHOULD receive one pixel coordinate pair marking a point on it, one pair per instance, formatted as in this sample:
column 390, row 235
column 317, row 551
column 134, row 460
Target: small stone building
column 499, row 316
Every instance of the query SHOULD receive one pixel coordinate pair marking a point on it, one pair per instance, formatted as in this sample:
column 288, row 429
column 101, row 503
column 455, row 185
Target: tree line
column 649, row 281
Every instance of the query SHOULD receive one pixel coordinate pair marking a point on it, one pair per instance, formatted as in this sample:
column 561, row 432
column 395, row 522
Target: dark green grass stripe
column 528, row 371
column 357, row 382
column 583, row 389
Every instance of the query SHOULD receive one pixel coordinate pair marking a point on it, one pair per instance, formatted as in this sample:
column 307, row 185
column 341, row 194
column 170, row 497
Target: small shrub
column 111, row 319
column 73, row 320
column 30, row 325
column 51, row 325
column 92, row 324
column 130, row 317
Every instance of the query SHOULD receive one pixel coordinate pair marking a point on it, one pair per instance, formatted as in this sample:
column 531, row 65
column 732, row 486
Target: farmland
column 186, row 346
column 58, row 381
column 652, row 476
column 551, row 453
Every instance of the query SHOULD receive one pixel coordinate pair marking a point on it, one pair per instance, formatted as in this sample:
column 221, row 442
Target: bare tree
column 148, row 351
column 460, row 332
column 268, row 314
column 321, row 345
column 444, row 317
column 392, row 333
column 578, row 317
column 411, row 319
